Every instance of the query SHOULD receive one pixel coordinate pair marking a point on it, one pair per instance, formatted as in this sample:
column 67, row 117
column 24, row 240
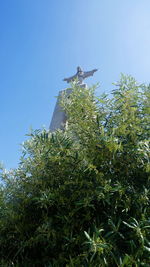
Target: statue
column 80, row 76
column 59, row 118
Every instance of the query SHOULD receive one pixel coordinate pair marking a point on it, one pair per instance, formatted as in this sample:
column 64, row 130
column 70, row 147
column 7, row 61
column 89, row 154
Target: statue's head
column 79, row 69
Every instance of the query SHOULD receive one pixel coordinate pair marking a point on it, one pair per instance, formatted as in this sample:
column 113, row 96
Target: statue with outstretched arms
column 59, row 118
column 80, row 75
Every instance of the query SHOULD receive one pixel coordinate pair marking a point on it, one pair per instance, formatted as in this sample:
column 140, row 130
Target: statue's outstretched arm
column 68, row 80
column 89, row 73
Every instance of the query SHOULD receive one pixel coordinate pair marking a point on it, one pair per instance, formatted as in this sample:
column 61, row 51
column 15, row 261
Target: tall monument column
column 59, row 118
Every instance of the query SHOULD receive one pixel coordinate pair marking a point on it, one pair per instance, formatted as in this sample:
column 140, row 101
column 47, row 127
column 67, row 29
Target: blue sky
column 43, row 41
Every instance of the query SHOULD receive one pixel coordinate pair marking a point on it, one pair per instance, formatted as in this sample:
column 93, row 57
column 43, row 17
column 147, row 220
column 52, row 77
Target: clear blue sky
column 43, row 41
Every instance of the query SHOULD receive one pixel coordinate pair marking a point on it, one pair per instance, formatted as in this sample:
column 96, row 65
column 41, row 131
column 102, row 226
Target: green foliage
column 81, row 197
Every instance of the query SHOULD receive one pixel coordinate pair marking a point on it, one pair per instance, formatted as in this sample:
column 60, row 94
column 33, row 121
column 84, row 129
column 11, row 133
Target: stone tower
column 59, row 118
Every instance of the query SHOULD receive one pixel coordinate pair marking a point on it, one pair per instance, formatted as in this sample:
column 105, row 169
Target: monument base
column 59, row 117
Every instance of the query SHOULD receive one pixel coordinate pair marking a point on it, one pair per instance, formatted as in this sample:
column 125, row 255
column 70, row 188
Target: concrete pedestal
column 59, row 118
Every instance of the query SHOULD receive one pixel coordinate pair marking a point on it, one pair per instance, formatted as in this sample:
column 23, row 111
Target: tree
column 80, row 197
